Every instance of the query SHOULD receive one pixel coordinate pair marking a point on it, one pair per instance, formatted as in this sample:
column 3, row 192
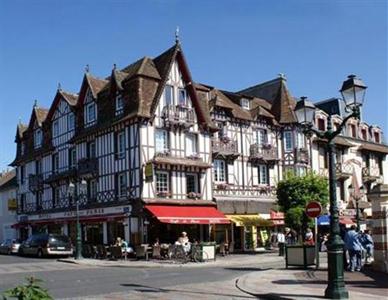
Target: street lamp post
column 353, row 92
column 71, row 192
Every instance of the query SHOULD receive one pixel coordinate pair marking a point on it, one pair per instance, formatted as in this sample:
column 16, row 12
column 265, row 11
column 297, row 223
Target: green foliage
column 31, row 291
column 294, row 192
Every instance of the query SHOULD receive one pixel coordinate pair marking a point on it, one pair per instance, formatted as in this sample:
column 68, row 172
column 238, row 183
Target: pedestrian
column 309, row 238
column 354, row 247
column 281, row 239
column 368, row 244
column 345, row 257
column 290, row 236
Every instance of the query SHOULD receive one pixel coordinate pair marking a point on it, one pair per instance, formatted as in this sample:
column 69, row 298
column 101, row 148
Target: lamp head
column 353, row 92
column 305, row 111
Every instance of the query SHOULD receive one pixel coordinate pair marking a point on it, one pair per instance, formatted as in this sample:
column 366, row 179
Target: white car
column 10, row 246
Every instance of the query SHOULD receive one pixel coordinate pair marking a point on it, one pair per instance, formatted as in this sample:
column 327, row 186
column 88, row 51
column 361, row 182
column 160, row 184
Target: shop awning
column 249, row 220
column 187, row 214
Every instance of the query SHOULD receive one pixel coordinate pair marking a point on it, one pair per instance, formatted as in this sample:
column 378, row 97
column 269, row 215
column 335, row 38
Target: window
column 56, row 196
column 182, row 97
column 336, row 126
column 70, row 121
column 72, row 157
column 22, row 174
column 161, row 141
column 222, row 131
column 119, row 104
column 377, row 137
column 300, row 171
column 352, row 129
column 38, row 167
column 91, row 149
column 191, row 144
column 245, row 103
column 55, row 128
column 122, row 185
column 364, row 134
column 55, row 163
column 261, row 136
column 168, row 95
column 38, row 138
column 219, row 170
column 288, row 142
column 38, row 200
column 263, row 174
column 301, row 140
column 92, row 189
column 192, row 183
column 162, row 182
column 90, row 112
column 321, row 124
column 121, row 145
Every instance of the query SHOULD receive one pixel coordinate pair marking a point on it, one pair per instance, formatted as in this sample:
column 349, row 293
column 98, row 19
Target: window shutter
column 230, row 170
column 255, row 175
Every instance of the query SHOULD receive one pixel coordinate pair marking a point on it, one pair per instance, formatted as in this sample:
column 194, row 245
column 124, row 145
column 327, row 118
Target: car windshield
column 59, row 240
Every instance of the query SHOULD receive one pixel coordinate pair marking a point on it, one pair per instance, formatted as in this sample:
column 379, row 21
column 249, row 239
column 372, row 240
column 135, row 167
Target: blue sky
column 228, row 44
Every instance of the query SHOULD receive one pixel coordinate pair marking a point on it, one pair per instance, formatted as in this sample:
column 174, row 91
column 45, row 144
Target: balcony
column 35, row 182
column 370, row 174
column 61, row 174
column 262, row 153
column 301, row 155
column 343, row 171
column 224, row 148
column 88, row 167
column 177, row 116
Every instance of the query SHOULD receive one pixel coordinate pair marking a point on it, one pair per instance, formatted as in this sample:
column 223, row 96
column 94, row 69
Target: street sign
column 313, row 209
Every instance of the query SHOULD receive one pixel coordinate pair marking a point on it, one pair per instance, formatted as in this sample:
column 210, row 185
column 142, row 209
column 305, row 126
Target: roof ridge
column 265, row 83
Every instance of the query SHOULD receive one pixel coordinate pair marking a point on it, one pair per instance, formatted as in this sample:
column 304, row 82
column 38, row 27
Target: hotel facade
column 152, row 153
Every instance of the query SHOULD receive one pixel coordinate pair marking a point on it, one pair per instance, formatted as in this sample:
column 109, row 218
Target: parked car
column 46, row 245
column 10, row 246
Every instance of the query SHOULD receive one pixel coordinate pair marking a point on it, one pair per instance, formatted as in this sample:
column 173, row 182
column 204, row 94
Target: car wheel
column 21, row 252
column 40, row 253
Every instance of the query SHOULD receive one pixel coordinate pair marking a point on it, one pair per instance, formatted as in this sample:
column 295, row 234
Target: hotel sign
column 12, row 204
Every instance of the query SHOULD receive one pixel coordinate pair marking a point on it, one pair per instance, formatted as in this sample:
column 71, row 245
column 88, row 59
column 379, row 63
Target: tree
column 294, row 192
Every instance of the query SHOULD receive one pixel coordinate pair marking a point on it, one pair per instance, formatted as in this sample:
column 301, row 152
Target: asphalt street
column 65, row 280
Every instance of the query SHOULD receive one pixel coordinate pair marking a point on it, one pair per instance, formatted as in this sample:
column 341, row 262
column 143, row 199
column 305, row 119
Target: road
column 65, row 280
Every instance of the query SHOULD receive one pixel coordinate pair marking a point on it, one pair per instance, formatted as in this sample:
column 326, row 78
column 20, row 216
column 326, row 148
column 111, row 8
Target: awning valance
column 187, row 214
column 249, row 220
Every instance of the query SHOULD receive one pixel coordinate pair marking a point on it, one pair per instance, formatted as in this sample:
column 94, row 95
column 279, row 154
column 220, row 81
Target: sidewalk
column 311, row 284
column 221, row 261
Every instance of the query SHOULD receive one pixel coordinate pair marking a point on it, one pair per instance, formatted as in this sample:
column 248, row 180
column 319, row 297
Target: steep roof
column 276, row 93
column 144, row 66
column 69, row 97
column 8, row 179
column 20, row 129
column 95, row 84
column 40, row 114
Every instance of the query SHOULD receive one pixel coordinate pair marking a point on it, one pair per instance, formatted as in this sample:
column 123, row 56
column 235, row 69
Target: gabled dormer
column 61, row 116
column 87, row 106
column 34, row 134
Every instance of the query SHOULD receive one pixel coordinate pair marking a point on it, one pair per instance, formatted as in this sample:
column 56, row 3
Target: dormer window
column 119, row 104
column 352, row 129
column 22, row 148
column 55, row 128
column 182, row 97
column 377, row 137
column 38, row 138
column 91, row 113
column 70, row 121
column 364, row 134
column 321, row 124
column 245, row 103
column 168, row 95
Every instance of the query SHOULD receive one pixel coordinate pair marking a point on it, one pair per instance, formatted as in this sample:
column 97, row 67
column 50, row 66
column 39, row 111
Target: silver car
column 10, row 246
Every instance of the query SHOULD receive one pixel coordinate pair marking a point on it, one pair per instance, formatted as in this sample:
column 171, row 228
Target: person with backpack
column 354, row 247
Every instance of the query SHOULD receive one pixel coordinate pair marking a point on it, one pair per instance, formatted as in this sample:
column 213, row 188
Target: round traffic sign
column 313, row 209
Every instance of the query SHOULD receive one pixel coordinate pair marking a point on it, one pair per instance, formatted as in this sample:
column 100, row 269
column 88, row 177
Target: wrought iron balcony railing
column 224, row 147
column 370, row 174
column 301, row 155
column 35, row 182
column 88, row 166
column 263, row 152
column 178, row 116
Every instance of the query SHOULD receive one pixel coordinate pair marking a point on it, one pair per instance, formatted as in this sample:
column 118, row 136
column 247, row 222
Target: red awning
column 187, row 214
column 346, row 221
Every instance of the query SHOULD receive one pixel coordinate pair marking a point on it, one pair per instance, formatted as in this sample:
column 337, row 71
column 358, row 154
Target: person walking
column 354, row 247
column 368, row 244
column 281, row 240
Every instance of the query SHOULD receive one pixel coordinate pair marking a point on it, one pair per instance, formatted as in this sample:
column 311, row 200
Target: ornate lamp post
column 353, row 92
column 357, row 196
column 71, row 192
